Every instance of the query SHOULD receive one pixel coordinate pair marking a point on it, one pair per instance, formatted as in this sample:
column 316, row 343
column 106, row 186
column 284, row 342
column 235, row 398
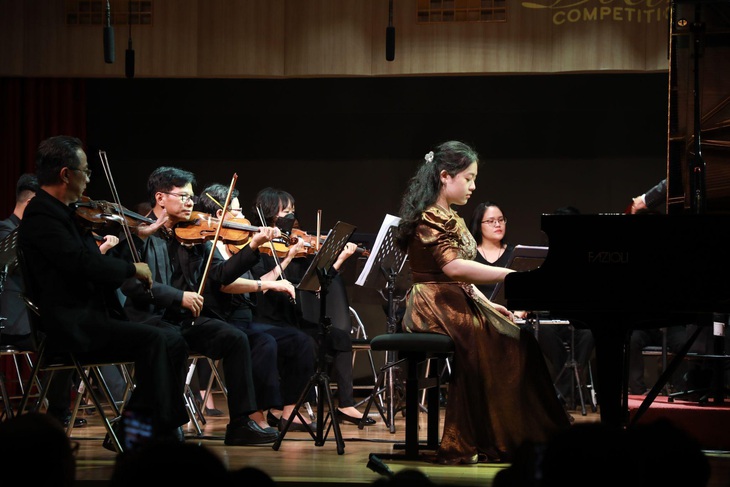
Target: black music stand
column 385, row 263
column 8, row 262
column 318, row 277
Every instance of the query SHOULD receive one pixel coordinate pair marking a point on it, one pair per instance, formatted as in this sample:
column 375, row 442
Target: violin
column 201, row 227
column 106, row 218
column 312, row 244
column 311, row 247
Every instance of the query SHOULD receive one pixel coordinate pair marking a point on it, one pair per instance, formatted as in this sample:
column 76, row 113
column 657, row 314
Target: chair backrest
column 29, row 297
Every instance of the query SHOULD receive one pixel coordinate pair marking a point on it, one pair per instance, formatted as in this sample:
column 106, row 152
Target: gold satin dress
column 500, row 393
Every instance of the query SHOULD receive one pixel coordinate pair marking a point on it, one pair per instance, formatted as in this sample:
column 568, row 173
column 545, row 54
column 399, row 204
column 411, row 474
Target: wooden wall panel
column 12, row 26
column 168, row 48
column 338, row 38
column 242, row 38
column 326, row 38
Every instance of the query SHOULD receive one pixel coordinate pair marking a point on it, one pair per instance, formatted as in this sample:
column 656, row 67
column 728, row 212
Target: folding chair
column 48, row 364
column 10, row 353
column 194, row 412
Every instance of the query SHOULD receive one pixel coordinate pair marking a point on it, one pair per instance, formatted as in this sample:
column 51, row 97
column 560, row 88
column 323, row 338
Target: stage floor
column 298, row 461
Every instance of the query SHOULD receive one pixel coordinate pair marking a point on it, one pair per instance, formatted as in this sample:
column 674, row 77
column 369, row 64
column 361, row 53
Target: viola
column 106, row 218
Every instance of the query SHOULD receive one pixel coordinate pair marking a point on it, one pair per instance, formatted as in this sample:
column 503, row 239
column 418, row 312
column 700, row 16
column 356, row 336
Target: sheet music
column 327, row 255
column 384, row 246
column 8, row 255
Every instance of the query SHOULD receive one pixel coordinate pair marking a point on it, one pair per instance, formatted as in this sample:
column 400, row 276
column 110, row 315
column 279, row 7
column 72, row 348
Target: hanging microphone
column 390, row 43
column 108, row 36
column 390, row 35
column 129, row 53
column 129, row 61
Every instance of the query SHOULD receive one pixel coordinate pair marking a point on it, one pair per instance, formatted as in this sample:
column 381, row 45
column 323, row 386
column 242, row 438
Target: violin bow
column 319, row 228
column 217, row 234
column 273, row 252
column 118, row 202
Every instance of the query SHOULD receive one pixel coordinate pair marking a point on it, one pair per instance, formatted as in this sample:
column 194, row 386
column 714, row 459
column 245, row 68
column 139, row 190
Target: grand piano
column 616, row 273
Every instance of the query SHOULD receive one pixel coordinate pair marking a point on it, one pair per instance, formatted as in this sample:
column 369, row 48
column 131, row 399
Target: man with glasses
column 75, row 289
column 176, row 299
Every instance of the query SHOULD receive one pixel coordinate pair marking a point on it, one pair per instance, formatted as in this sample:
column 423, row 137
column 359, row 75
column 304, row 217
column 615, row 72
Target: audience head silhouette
column 35, row 449
column 178, row 463
column 644, row 454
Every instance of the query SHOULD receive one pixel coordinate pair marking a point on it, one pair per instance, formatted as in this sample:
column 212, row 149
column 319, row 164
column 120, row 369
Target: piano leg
column 612, row 341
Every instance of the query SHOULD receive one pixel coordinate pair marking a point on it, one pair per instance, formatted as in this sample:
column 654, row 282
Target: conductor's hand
column 143, row 273
column 265, row 234
column 193, row 301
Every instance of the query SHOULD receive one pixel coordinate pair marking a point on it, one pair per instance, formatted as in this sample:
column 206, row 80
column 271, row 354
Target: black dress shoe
column 341, row 417
column 78, row 422
column 212, row 412
column 296, row 426
column 66, row 419
column 272, row 420
column 248, row 434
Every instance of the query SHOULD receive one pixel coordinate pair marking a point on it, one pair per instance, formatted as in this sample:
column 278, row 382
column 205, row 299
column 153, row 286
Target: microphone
column 390, row 43
column 376, row 465
column 108, row 36
column 129, row 61
column 390, row 35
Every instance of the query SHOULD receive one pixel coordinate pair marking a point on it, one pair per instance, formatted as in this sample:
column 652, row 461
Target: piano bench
column 414, row 349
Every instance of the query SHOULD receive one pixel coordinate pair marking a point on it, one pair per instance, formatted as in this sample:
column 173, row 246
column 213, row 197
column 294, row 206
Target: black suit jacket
column 656, row 195
column 12, row 307
column 166, row 298
column 73, row 283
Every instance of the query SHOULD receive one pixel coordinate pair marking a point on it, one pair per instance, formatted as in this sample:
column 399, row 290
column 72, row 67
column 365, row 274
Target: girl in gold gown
column 500, row 392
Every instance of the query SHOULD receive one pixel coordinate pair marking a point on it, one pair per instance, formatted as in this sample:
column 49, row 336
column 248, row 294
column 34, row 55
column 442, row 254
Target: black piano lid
column 669, row 263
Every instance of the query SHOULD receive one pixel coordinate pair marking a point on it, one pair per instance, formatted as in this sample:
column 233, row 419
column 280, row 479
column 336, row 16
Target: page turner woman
column 500, row 392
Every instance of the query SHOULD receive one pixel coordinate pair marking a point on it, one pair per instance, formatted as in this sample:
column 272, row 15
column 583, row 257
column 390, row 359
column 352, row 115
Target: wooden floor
column 298, row 461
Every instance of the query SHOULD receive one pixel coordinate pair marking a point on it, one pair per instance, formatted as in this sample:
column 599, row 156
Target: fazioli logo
column 578, row 11
column 608, row 257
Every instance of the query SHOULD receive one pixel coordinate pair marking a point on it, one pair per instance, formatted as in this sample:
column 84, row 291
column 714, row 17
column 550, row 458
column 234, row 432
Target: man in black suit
column 176, row 303
column 75, row 288
column 16, row 330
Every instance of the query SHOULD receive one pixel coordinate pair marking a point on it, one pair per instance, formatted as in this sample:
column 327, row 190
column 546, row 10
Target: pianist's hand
column 507, row 313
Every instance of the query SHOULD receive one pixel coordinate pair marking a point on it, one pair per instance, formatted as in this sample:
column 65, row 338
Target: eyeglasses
column 184, row 197
column 492, row 222
column 86, row 171
column 235, row 210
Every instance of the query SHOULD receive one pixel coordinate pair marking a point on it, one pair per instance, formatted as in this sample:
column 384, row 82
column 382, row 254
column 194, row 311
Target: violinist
column 283, row 357
column 75, row 288
column 176, row 301
column 16, row 329
column 277, row 208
